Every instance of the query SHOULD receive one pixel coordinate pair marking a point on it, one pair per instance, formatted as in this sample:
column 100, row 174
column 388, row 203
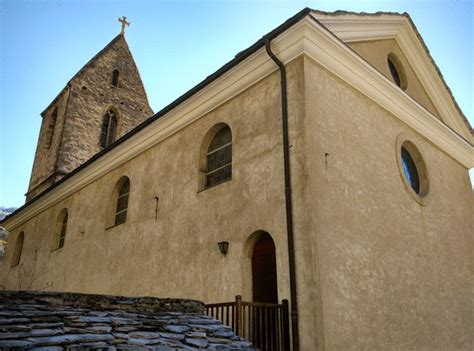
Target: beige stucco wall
column 375, row 270
column 376, row 52
column 394, row 275
column 177, row 253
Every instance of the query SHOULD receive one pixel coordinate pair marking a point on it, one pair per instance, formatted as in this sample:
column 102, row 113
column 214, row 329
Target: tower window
column 219, row 158
column 122, row 201
column 115, row 78
column 18, row 249
column 109, row 128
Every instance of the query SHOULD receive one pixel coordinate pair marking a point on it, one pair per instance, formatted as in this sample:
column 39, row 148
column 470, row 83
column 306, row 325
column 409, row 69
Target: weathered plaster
column 394, row 274
column 178, row 250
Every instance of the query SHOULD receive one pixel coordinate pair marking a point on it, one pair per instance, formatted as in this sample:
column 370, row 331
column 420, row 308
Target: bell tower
column 101, row 102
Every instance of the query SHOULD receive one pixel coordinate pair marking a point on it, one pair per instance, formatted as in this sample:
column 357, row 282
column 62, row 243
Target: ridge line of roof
column 425, row 47
column 365, row 14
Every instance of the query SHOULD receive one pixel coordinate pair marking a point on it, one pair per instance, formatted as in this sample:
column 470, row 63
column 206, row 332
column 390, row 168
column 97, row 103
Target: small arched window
column 122, row 201
column 18, row 249
column 109, row 129
column 219, row 158
column 62, row 227
column 115, row 78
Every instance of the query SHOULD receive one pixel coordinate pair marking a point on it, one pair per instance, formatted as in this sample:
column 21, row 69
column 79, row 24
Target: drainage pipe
column 288, row 199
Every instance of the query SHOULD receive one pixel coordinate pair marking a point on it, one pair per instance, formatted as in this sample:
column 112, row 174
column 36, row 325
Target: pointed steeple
column 74, row 123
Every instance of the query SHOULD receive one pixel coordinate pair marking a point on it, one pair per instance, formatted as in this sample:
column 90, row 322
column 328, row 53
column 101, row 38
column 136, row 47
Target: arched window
column 122, row 201
column 18, row 248
column 115, row 78
column 109, row 128
column 219, row 158
column 62, row 227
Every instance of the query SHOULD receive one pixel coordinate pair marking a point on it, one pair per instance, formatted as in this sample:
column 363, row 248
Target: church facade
column 329, row 159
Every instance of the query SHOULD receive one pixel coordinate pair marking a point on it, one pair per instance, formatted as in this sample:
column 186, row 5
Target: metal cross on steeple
column 124, row 22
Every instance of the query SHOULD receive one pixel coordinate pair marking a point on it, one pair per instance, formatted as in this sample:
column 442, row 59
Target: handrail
column 220, row 304
column 266, row 325
column 261, row 304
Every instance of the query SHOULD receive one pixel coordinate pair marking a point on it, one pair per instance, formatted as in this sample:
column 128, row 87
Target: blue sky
column 176, row 44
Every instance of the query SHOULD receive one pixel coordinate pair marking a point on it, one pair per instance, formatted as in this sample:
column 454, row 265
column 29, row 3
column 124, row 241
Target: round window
column 412, row 169
column 396, row 70
column 409, row 169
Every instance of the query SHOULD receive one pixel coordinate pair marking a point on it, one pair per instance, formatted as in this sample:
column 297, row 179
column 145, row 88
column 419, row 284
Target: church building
column 327, row 165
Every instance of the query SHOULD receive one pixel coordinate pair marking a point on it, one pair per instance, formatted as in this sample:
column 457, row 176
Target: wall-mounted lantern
column 223, row 247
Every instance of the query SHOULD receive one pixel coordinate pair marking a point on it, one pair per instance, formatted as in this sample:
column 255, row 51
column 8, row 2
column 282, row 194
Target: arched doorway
column 264, row 273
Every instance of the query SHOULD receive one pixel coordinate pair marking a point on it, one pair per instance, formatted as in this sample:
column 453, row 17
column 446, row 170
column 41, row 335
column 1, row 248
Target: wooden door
column 264, row 274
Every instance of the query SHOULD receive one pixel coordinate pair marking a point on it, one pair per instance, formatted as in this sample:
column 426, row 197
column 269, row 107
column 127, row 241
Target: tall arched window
column 122, row 201
column 219, row 158
column 18, row 249
column 62, row 227
column 109, row 128
column 115, row 78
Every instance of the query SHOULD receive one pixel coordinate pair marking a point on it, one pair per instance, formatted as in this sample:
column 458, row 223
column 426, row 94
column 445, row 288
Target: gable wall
column 376, row 53
column 392, row 274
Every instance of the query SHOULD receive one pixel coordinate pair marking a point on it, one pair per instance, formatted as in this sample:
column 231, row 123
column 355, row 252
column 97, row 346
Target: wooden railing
column 266, row 325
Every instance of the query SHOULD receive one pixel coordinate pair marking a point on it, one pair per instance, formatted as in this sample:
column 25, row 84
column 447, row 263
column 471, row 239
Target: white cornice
column 430, row 79
column 306, row 37
column 340, row 60
column 352, row 27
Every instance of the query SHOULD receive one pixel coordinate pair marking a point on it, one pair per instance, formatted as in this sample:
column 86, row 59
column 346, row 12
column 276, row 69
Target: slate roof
column 69, row 321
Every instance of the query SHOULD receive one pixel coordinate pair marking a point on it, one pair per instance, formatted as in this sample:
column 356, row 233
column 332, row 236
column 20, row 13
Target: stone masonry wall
column 82, row 109
column 47, row 152
column 69, row 321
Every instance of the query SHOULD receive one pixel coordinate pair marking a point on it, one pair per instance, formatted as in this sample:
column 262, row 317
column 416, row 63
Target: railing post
column 286, row 326
column 238, row 315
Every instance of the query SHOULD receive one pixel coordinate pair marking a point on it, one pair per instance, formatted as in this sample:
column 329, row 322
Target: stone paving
column 67, row 321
